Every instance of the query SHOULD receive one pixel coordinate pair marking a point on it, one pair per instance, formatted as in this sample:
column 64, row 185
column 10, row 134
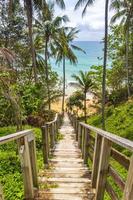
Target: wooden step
column 64, row 196
column 65, row 180
column 66, row 174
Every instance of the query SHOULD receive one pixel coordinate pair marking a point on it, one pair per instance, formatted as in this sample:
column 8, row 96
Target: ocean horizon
column 93, row 56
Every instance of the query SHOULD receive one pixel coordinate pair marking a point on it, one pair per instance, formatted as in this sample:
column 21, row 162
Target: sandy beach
column 57, row 106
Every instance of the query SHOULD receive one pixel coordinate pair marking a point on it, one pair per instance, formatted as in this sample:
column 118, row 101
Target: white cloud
column 92, row 25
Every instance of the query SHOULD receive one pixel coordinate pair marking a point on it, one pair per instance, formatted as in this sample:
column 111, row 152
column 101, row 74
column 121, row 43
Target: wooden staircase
column 68, row 177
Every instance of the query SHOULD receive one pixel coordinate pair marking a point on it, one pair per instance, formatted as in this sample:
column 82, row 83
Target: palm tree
column 50, row 28
column 124, row 11
column 88, row 3
column 84, row 82
column 30, row 6
column 65, row 52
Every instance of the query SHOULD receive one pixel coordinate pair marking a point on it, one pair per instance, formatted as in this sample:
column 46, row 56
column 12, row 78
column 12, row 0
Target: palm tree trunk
column 64, row 84
column 105, row 64
column 28, row 5
column 85, row 113
column 127, row 63
column 47, row 74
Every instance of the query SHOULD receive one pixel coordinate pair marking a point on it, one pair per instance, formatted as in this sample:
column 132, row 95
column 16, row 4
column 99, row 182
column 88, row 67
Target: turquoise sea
column 93, row 49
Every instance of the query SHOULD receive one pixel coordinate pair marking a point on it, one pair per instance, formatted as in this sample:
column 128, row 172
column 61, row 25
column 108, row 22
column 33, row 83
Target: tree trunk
column 105, row 64
column 85, row 108
column 28, row 5
column 64, row 84
column 126, row 61
column 47, row 74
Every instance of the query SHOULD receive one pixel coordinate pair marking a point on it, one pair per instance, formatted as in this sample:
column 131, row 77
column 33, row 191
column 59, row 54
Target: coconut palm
column 65, row 52
column 88, row 3
column 84, row 82
column 50, row 29
column 30, row 6
column 124, row 11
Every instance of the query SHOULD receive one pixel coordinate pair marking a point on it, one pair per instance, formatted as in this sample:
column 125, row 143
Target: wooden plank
column 26, row 167
column 55, row 119
column 111, row 192
column 86, row 142
column 1, row 193
column 121, row 158
column 118, row 180
column 128, row 191
column 128, row 144
column 79, row 136
column 103, row 168
column 32, row 149
column 83, row 141
column 45, row 144
column 52, row 136
column 14, row 136
column 96, row 158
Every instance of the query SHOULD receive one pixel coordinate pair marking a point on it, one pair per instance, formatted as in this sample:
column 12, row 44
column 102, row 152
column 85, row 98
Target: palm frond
column 60, row 3
column 77, row 48
column 80, row 3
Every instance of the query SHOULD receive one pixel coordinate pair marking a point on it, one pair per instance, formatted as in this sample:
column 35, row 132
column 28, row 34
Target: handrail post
column 1, row 193
column 32, row 149
column 83, row 141
column 96, row 159
column 51, row 137
column 26, row 167
column 77, row 124
column 103, row 168
column 45, row 144
column 79, row 135
column 128, row 191
column 86, row 144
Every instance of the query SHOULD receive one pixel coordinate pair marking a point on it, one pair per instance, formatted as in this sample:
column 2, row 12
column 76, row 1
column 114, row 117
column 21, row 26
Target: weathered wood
column 128, row 191
column 15, row 136
column 128, row 144
column 83, row 141
column 86, row 142
column 45, row 144
column 32, row 149
column 121, row 158
column 80, row 136
column 1, row 193
column 52, row 136
column 96, row 158
column 77, row 123
column 118, row 180
column 26, row 167
column 103, row 168
column 111, row 192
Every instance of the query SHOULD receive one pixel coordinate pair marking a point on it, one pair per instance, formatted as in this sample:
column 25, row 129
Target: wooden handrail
column 128, row 144
column 27, row 152
column 49, row 135
column 14, row 136
column 102, row 153
column 51, row 122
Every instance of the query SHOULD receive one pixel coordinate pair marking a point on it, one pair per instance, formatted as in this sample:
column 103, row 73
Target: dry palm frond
column 7, row 55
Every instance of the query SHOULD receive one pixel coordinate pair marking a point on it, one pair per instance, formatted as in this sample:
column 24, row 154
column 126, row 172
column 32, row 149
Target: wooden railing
column 49, row 136
column 97, row 146
column 27, row 152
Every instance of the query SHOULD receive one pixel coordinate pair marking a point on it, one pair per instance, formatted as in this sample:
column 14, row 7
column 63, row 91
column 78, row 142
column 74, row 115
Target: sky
column 91, row 25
